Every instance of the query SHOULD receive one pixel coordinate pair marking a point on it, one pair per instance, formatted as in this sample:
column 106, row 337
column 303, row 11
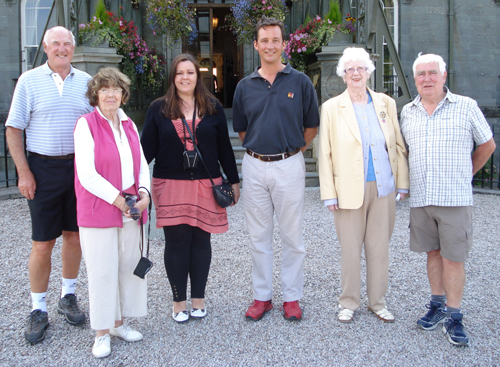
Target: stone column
column 331, row 84
column 90, row 59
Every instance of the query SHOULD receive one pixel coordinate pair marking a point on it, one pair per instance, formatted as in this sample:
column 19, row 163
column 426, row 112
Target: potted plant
column 246, row 13
column 345, row 29
column 307, row 40
column 143, row 65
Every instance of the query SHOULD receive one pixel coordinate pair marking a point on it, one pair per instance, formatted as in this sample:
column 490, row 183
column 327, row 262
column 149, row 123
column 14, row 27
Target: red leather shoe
column 257, row 309
column 292, row 310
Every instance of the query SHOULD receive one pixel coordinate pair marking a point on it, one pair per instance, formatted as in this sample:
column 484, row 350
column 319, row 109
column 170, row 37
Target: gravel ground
column 225, row 338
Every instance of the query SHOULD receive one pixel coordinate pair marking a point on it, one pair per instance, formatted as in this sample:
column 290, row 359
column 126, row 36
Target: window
column 390, row 8
column 34, row 16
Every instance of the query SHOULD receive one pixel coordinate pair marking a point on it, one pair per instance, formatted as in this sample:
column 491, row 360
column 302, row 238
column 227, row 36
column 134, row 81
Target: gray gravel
column 225, row 338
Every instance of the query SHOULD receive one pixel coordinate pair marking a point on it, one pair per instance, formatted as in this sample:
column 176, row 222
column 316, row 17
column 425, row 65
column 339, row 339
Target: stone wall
column 424, row 27
column 10, row 55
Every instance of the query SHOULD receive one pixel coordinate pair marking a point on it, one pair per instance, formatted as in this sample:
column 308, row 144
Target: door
column 217, row 52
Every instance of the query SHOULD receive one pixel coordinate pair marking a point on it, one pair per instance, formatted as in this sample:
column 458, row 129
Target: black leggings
column 187, row 251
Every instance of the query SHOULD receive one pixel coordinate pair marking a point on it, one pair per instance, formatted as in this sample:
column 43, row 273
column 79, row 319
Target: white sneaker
column 198, row 313
column 126, row 333
column 101, row 346
column 182, row 316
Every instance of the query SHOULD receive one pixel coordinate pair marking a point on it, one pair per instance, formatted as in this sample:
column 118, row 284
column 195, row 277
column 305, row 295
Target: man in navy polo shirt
column 275, row 113
column 47, row 103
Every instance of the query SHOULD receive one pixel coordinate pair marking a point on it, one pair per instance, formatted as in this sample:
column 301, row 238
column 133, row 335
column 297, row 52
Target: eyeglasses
column 112, row 91
column 359, row 69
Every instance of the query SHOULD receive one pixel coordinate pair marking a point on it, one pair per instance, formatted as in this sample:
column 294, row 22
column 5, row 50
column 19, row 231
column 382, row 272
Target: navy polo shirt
column 274, row 116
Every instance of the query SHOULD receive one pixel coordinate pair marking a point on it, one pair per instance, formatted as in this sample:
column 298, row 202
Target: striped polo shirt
column 48, row 116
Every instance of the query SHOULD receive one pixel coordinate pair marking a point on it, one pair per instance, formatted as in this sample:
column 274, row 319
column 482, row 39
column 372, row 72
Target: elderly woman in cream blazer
column 363, row 171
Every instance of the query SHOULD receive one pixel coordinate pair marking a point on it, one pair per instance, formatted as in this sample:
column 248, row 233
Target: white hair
column 429, row 59
column 54, row 29
column 354, row 54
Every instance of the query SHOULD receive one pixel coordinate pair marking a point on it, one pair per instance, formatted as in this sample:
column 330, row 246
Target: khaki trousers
column 268, row 188
column 111, row 255
column 371, row 224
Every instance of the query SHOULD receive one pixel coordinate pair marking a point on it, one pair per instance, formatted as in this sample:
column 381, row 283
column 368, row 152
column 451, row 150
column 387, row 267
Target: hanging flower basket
column 172, row 18
column 246, row 13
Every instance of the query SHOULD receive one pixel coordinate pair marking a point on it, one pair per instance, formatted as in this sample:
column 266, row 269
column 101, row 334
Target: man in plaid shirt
column 440, row 128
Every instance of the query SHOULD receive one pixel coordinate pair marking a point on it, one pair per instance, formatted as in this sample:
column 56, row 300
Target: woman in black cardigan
column 185, row 206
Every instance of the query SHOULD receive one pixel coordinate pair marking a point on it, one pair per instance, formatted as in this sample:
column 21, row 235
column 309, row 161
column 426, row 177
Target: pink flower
column 81, row 25
column 100, row 22
column 269, row 7
column 299, row 50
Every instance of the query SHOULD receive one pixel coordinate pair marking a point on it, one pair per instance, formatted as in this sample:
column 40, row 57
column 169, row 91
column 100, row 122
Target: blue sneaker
column 454, row 329
column 435, row 316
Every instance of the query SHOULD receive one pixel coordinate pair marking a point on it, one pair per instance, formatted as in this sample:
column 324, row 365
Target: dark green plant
column 484, row 176
column 334, row 14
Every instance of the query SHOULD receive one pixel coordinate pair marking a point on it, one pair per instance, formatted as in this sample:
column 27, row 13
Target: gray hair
column 429, row 59
column 54, row 29
column 354, row 54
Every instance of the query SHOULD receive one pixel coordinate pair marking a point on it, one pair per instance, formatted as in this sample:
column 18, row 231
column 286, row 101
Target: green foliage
column 172, row 18
column 101, row 13
column 484, row 176
column 143, row 65
column 246, row 13
column 307, row 40
column 334, row 14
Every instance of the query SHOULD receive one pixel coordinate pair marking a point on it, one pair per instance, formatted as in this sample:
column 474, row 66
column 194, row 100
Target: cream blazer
column 341, row 168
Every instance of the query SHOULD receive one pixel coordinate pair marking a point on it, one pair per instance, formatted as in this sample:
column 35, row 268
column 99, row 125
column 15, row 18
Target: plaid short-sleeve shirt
column 440, row 147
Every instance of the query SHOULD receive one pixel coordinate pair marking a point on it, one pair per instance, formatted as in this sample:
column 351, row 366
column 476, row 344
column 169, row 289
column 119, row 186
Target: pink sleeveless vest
column 92, row 211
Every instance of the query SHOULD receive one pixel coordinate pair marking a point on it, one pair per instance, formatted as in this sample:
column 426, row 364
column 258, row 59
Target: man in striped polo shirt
column 47, row 102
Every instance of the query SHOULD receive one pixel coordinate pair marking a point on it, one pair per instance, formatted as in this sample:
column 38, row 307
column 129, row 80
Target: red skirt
column 188, row 202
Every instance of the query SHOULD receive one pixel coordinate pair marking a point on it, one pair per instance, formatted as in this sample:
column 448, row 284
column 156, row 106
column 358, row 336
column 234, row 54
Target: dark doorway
column 217, row 52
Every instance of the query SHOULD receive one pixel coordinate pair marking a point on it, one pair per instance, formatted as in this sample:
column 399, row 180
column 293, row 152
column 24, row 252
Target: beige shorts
column 445, row 228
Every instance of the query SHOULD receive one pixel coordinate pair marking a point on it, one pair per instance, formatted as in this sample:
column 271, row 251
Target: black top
column 160, row 141
column 274, row 115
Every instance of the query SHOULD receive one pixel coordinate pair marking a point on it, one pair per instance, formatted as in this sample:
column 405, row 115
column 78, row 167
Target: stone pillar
column 331, row 84
column 90, row 59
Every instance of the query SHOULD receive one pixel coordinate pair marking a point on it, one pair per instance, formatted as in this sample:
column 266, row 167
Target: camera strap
column 141, row 243
column 197, row 150
column 184, row 128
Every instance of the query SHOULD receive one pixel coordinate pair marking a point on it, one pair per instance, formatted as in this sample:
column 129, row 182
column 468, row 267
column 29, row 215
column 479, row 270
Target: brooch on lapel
column 383, row 114
column 290, row 95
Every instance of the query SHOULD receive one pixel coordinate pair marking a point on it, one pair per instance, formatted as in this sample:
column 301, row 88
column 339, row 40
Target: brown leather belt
column 272, row 157
column 67, row 156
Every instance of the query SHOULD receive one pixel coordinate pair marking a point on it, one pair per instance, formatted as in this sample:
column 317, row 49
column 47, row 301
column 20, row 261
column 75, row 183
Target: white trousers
column 275, row 187
column 111, row 255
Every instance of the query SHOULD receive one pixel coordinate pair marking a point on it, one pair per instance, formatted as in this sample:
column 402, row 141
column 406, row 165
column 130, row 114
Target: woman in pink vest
column 109, row 164
column 182, row 191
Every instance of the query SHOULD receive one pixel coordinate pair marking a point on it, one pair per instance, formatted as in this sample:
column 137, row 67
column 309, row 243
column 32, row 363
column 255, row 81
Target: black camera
column 130, row 200
column 190, row 159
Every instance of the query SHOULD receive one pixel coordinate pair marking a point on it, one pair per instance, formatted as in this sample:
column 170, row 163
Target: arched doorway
column 216, row 50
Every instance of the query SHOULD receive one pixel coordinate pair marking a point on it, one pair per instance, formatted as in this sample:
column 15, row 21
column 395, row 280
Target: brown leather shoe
column 292, row 310
column 257, row 309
